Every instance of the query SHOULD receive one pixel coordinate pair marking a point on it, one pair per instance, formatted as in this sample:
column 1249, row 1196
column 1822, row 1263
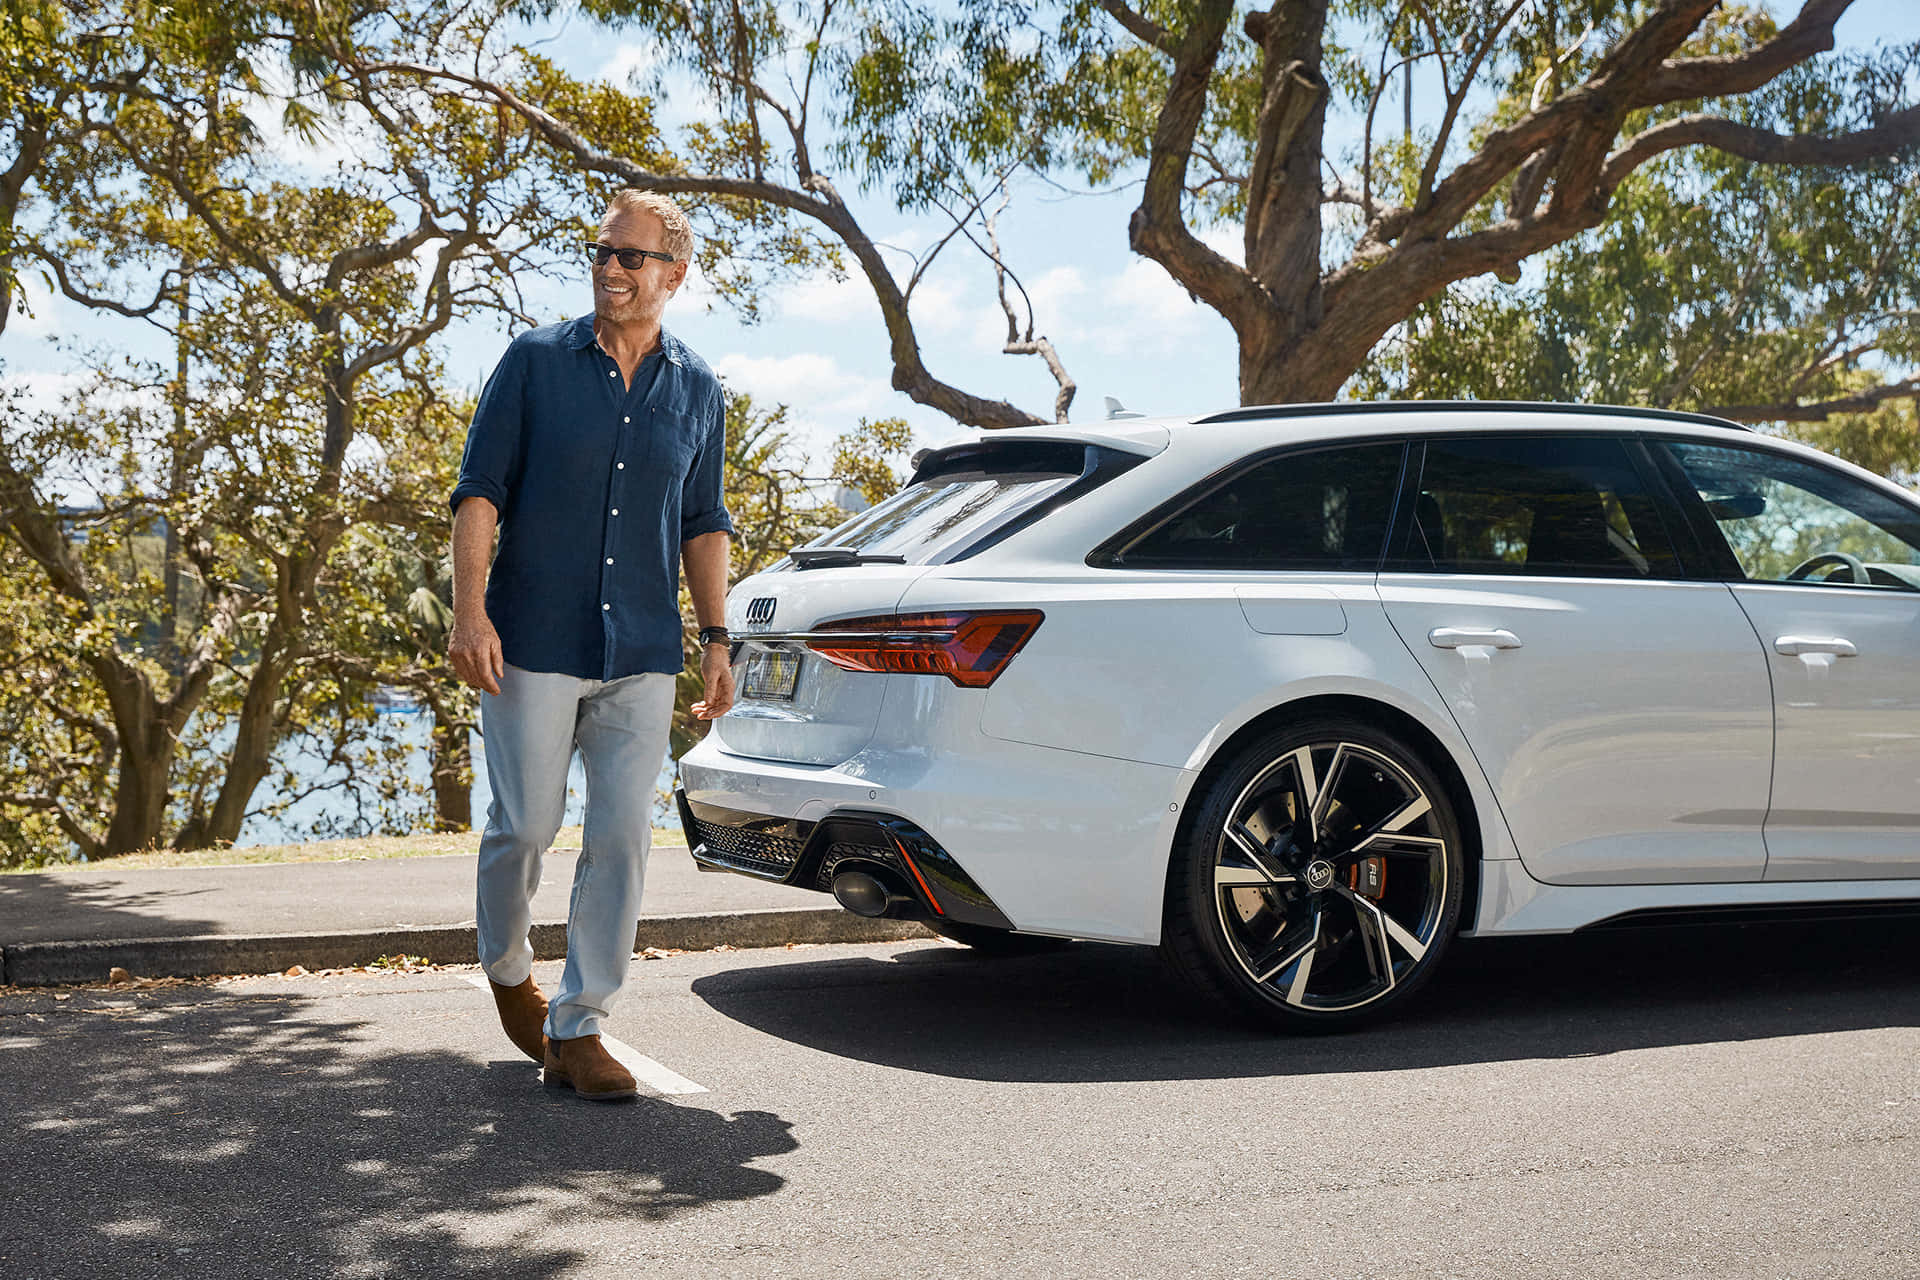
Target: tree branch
column 1810, row 33
column 819, row 201
column 1819, row 410
column 164, row 294
column 1893, row 134
column 90, row 846
column 1142, row 28
column 1457, row 95
column 1019, row 344
column 1158, row 228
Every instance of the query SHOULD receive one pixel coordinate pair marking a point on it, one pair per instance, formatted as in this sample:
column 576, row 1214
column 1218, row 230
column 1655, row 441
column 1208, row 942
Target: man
column 597, row 449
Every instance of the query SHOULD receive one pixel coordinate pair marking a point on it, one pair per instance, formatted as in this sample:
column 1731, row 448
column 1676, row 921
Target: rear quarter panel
column 1163, row 669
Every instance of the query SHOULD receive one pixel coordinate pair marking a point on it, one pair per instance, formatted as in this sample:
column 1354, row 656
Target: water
column 341, row 811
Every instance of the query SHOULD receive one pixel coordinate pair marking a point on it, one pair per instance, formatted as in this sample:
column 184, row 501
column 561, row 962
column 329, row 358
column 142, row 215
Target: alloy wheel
column 1332, row 878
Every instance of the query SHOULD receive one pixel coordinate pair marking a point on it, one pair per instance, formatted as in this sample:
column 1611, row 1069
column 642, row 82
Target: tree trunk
column 255, row 735
column 143, row 763
column 452, row 769
column 140, row 792
column 258, row 730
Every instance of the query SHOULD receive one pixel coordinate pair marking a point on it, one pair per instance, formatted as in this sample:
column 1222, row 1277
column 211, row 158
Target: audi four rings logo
column 760, row 611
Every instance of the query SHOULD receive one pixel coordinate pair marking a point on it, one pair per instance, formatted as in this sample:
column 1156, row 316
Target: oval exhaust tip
column 860, row 893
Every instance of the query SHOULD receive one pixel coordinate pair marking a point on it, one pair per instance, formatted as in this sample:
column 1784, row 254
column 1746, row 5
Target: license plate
column 771, row 675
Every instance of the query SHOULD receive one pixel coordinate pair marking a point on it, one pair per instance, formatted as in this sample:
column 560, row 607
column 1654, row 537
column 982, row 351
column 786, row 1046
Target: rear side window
column 1326, row 509
column 1544, row 506
column 974, row 496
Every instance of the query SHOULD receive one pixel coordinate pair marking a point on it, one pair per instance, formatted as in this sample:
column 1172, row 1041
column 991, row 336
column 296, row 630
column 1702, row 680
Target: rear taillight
column 970, row 649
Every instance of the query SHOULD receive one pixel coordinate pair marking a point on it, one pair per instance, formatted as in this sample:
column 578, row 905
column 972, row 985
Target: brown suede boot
column 584, row 1065
column 523, row 1012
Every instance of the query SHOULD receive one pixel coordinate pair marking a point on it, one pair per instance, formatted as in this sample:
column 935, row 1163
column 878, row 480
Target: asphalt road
column 1726, row 1102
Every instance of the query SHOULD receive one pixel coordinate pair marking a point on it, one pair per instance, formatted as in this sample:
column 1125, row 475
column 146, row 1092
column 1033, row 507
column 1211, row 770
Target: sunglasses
column 631, row 259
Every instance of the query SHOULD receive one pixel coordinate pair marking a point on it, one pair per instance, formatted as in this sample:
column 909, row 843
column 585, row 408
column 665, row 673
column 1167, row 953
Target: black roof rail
column 1252, row 412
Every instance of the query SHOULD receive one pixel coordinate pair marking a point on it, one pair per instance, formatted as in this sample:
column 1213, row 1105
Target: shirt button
column 626, row 419
column 616, row 511
column 605, row 607
column 613, row 373
column 609, row 559
column 619, row 466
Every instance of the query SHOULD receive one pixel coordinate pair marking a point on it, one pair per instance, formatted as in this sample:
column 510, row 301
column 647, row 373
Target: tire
column 1326, row 924
column 988, row 941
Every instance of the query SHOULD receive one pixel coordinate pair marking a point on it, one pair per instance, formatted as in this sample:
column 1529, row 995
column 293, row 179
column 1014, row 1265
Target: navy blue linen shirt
column 597, row 485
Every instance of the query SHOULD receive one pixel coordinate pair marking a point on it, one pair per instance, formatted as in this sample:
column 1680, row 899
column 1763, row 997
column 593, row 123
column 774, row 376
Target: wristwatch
column 715, row 635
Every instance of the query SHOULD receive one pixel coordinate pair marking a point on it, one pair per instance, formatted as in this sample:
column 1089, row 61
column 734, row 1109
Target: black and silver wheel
column 1320, row 879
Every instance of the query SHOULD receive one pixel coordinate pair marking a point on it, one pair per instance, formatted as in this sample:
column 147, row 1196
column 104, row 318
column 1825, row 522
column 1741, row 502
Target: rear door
column 1621, row 712
column 1827, row 566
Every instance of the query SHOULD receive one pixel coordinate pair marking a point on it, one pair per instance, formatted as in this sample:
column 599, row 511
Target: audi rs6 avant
column 1300, row 694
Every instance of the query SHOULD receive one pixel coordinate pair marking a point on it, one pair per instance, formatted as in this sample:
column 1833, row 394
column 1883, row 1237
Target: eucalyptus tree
column 1522, row 123
column 95, row 722
column 1757, row 292
column 306, row 304
column 774, row 132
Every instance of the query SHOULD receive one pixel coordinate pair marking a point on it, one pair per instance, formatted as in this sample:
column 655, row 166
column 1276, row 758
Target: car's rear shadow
column 1095, row 1012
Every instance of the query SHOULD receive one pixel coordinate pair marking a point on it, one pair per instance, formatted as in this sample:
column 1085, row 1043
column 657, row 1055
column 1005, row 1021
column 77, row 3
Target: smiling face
column 624, row 297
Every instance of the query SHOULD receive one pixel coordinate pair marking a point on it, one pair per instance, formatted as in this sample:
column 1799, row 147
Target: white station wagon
column 1299, row 694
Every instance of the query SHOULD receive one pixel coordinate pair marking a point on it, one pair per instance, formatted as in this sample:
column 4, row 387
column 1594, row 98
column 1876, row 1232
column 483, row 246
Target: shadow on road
column 48, row 906
column 206, row 1133
column 1093, row 1012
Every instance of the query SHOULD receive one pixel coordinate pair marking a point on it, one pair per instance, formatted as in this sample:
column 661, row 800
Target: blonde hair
column 672, row 218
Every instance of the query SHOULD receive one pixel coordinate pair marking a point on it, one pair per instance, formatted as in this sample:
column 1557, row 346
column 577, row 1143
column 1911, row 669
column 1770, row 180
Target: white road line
column 647, row 1071
column 660, row 1079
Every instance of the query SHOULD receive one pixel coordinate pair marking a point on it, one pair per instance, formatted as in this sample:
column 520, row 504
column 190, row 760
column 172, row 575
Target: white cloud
column 822, row 299
column 810, row 384
column 823, row 398
column 36, row 310
column 940, row 306
column 337, row 142
column 635, row 57
column 696, row 288
column 1141, row 304
column 1057, row 286
column 1229, row 240
column 38, row 389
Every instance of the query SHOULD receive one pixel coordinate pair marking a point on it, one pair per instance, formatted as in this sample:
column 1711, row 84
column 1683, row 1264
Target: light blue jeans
column 531, row 729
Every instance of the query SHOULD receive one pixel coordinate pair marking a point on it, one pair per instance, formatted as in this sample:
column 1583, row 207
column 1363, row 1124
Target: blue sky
column 1121, row 326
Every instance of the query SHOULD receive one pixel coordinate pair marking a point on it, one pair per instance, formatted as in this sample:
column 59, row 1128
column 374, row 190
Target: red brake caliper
column 1368, row 877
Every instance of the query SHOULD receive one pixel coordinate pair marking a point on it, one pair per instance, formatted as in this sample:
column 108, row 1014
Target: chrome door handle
column 1794, row 646
column 1466, row 637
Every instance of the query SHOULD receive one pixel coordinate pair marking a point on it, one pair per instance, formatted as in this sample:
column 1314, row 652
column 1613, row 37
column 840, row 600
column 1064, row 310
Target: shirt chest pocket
column 671, row 440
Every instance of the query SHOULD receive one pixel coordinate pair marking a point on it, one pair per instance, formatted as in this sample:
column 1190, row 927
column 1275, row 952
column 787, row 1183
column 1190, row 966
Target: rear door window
column 1325, row 509
column 1543, row 506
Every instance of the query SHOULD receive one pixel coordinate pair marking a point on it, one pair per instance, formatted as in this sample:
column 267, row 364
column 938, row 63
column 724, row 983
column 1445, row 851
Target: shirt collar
column 580, row 337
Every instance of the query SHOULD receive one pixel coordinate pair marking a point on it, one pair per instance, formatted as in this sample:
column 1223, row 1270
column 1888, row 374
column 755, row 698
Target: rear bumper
column 808, row 855
column 1061, row 842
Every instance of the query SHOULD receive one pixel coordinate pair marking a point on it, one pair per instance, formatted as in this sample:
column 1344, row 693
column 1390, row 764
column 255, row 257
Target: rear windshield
column 960, row 503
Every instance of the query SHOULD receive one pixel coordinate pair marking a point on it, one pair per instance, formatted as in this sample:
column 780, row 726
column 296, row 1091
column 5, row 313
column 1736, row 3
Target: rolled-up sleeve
column 492, row 456
column 703, row 503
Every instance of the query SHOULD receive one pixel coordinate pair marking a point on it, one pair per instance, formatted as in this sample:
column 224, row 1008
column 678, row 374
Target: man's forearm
column 705, row 558
column 473, row 526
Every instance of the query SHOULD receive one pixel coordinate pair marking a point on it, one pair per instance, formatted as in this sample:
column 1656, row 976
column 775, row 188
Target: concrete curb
column 39, row 964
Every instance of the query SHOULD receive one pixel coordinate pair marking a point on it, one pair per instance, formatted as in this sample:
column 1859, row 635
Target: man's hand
column 474, row 651
column 716, row 671
column 474, row 646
